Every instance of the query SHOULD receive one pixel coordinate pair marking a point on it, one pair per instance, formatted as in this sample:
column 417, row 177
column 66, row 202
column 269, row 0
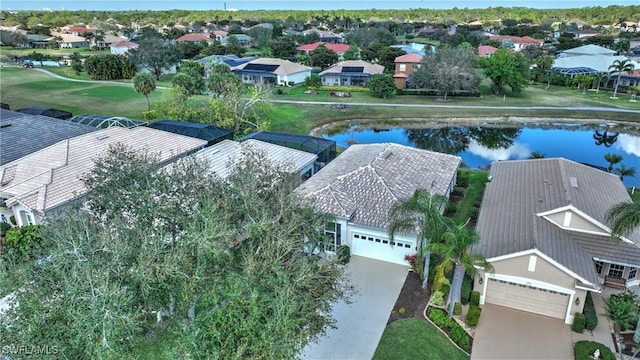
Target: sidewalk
column 602, row 332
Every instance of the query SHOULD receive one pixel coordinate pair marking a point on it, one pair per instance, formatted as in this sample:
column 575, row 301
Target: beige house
column 271, row 71
column 350, row 73
column 42, row 183
column 541, row 225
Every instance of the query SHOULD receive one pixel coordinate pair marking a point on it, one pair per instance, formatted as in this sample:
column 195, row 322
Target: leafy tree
column 505, row 68
column 323, row 57
column 454, row 250
column 421, row 214
column 382, row 84
column 612, row 159
column 446, row 70
column 190, row 49
column 155, row 54
column 221, row 79
column 364, row 37
column 190, row 77
column 144, row 84
column 283, row 47
column 352, row 53
column 387, row 57
column 179, row 246
column 12, row 38
column 242, row 108
column 76, row 62
column 618, row 68
column 37, row 56
column 234, row 47
column 313, row 81
column 110, row 67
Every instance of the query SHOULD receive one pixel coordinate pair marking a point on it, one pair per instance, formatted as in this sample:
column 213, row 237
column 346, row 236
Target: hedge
column 456, row 333
column 474, row 299
column 465, row 290
column 430, row 92
column 589, row 312
column 344, row 254
column 457, row 309
column 583, row 350
column 473, row 315
column 345, row 88
column 578, row 323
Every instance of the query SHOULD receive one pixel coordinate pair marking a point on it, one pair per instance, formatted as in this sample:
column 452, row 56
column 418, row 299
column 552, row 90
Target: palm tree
column 420, row 214
column 623, row 218
column 144, row 84
column 612, row 159
column 623, row 171
column 454, row 250
column 622, row 310
column 618, row 67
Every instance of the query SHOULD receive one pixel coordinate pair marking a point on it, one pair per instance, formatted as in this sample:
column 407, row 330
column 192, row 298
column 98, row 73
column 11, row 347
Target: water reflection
column 630, row 145
column 515, row 151
column 603, row 137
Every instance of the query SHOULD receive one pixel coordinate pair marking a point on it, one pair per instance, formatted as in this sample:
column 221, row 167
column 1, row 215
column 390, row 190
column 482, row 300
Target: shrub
column 583, row 350
column 345, row 88
column 291, row 83
column 473, row 315
column 459, row 336
column 457, row 309
column 4, row 227
column 578, row 323
column 402, row 310
column 409, row 36
column 22, row 243
column 462, row 179
column 451, row 208
column 441, row 319
column 589, row 312
column 279, row 91
column 445, row 288
column 474, row 299
column 465, row 289
column 344, row 254
column 457, row 191
column 437, row 298
column 411, row 259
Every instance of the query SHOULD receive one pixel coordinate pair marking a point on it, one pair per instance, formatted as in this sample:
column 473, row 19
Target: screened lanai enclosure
column 45, row 111
column 571, row 72
column 106, row 121
column 324, row 148
column 212, row 134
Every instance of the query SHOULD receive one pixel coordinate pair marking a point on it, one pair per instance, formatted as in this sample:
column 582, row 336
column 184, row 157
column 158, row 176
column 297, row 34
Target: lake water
column 479, row 146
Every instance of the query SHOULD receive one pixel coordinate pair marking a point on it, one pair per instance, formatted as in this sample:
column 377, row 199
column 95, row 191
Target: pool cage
column 106, row 121
column 571, row 72
column 212, row 134
column 324, row 148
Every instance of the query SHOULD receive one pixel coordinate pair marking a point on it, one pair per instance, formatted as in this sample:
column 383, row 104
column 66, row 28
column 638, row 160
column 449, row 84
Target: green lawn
column 415, row 339
column 469, row 205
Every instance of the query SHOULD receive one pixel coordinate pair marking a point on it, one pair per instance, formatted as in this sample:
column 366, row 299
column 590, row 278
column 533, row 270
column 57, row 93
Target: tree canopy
column 382, row 84
column 155, row 54
column 506, row 68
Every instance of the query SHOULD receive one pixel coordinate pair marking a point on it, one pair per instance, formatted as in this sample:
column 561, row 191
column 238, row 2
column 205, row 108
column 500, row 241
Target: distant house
column 110, row 40
column 583, row 34
column 122, row 47
column 350, row 73
column 38, row 41
column 518, row 42
column 415, row 48
column 80, row 30
column 195, row 38
column 229, row 60
column 219, row 35
column 271, row 71
column 486, row 50
column 325, row 36
column 587, row 59
column 69, row 41
column 339, row 49
column 44, row 183
column 244, row 40
column 405, row 66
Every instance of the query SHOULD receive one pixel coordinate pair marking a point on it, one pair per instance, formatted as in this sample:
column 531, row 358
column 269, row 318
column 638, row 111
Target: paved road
column 433, row 106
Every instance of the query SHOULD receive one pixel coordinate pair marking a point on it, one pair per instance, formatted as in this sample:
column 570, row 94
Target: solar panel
column 262, row 67
column 353, row 69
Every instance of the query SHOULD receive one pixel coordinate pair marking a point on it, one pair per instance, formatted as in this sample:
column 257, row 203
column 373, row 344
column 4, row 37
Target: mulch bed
column 626, row 339
column 413, row 299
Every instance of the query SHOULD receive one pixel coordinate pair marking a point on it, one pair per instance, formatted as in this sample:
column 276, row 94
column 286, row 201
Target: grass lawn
column 415, row 339
column 468, row 206
column 8, row 51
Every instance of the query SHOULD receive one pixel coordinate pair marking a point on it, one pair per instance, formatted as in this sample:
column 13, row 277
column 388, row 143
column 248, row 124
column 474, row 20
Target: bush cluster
column 589, row 312
column 584, row 350
column 473, row 315
column 344, row 254
column 427, row 92
column 344, row 88
column 22, row 243
column 437, row 298
column 578, row 323
column 456, row 332
column 457, row 309
column 474, row 299
column 462, row 180
column 465, row 290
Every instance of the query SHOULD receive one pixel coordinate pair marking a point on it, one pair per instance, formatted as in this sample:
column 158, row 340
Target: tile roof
column 127, row 44
column 222, row 156
column 408, row 58
column 517, row 39
column 285, row 66
column 369, row 68
column 366, row 180
column 590, row 49
column 336, row 48
column 22, row 134
column 520, row 192
column 484, row 50
column 194, row 37
column 52, row 176
column 400, row 75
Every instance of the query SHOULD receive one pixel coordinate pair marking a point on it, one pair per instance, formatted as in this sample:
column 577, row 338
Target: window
column 632, row 273
column 616, row 270
column 403, row 67
column 599, row 265
column 334, row 232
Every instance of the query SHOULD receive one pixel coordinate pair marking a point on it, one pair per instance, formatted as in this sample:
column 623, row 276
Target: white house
column 271, row 71
column 122, row 47
column 362, row 184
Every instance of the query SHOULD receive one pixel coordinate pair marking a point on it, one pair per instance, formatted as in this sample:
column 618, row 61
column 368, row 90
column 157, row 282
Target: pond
column 478, row 146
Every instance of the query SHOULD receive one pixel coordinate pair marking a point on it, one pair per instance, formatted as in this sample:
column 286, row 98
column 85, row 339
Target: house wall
column 391, row 253
column 331, row 80
column 73, row 45
column 119, row 50
column 24, row 216
column 409, row 68
column 297, row 78
column 574, row 221
column 401, row 83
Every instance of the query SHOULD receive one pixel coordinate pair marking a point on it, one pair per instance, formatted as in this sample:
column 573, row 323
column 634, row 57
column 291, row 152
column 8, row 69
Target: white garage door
column 381, row 248
column 527, row 298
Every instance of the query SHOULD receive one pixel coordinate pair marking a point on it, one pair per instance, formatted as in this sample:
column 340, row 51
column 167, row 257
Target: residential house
column 44, row 183
column 229, row 60
column 195, row 38
column 405, row 66
column 339, row 49
column 542, row 227
column 218, row 35
column 80, row 30
column 360, row 186
column 486, row 50
column 350, row 73
column 243, row 39
column 69, row 41
column 584, row 34
column 271, row 71
column 38, row 41
column 24, row 134
column 587, row 59
column 122, row 47
column 415, row 48
column 222, row 156
column 109, row 40
column 325, row 36
column 212, row 134
column 518, row 42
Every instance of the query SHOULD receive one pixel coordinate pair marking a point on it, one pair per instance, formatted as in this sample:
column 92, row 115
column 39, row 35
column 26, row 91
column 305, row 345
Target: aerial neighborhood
column 320, row 184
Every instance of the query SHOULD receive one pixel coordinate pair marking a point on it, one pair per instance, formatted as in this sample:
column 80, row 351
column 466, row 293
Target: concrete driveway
column 505, row 333
column 361, row 323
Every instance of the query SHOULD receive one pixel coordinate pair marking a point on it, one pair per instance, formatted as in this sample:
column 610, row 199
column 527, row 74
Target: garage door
column 381, row 248
column 527, row 298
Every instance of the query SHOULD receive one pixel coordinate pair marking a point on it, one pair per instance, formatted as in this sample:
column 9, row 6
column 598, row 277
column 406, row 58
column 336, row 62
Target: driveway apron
column 504, row 333
column 361, row 323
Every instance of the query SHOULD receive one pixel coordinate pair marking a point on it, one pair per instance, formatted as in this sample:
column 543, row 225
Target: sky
column 296, row 4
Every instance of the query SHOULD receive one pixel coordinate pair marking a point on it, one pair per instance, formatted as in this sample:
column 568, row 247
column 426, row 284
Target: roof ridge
column 565, row 181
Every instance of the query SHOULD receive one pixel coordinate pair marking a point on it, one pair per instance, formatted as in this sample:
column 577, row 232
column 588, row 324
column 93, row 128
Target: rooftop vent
column 4, row 126
column 574, row 182
column 102, row 137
